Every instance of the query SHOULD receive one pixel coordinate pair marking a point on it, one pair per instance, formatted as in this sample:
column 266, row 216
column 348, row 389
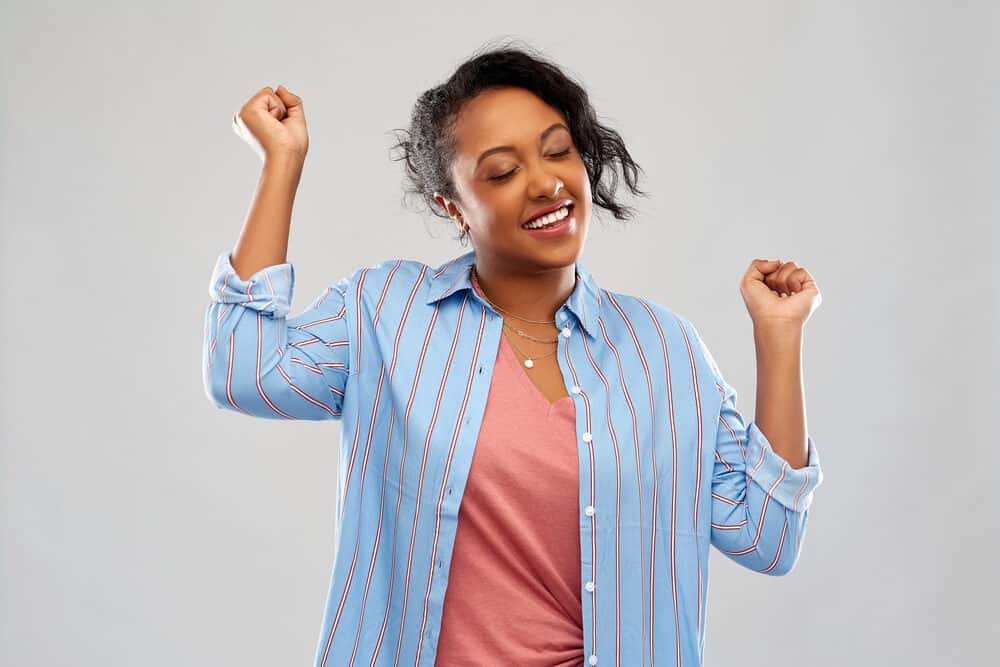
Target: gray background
column 141, row 525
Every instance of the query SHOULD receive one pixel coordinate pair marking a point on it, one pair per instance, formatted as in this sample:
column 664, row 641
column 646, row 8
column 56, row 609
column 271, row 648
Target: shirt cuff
column 268, row 291
column 792, row 487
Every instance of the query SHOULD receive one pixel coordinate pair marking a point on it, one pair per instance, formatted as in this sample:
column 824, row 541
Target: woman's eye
column 510, row 173
column 502, row 177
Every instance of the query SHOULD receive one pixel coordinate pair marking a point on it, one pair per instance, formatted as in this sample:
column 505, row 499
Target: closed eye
column 503, row 177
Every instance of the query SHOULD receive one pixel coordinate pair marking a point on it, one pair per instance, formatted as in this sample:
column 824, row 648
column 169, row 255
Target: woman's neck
column 534, row 296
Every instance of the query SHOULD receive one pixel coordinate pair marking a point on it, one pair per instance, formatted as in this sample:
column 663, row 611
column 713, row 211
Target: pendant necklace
column 529, row 362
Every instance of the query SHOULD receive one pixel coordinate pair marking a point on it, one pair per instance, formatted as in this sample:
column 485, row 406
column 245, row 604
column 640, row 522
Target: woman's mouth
column 553, row 224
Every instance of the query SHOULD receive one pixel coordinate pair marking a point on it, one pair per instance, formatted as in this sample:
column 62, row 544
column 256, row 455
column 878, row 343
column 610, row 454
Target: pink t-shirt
column 513, row 594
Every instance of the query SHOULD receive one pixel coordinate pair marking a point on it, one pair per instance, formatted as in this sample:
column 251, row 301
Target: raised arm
column 273, row 124
column 255, row 360
column 759, row 501
column 766, row 471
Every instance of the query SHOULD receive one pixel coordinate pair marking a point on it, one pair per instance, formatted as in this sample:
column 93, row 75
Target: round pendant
column 529, row 363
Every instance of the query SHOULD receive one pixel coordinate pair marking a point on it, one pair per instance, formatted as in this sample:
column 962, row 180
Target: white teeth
column 555, row 216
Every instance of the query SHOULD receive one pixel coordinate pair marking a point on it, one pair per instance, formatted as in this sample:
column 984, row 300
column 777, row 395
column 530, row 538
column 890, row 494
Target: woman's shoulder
column 643, row 310
column 379, row 273
column 653, row 321
column 398, row 280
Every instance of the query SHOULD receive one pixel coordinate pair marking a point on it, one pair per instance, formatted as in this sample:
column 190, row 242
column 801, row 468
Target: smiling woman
column 532, row 467
column 508, row 139
column 428, row 148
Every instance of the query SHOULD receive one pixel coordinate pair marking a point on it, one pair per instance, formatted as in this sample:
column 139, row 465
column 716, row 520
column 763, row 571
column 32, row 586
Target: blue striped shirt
column 403, row 354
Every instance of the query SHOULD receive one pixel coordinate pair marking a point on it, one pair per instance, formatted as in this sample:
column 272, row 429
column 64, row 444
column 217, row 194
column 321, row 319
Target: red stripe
column 447, row 470
column 805, row 482
column 402, row 467
column 229, row 375
column 392, row 418
column 618, row 497
column 673, row 486
column 257, row 373
column 372, row 420
column 726, row 500
column 697, row 486
column 763, row 515
column 357, row 538
column 381, row 300
column 593, row 520
column 777, row 556
column 423, row 468
column 638, row 463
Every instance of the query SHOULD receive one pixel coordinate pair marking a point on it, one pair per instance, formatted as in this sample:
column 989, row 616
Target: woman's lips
column 567, row 205
column 549, row 210
column 565, row 226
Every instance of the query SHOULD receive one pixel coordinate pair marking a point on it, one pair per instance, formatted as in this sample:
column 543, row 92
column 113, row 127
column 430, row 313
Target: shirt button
column 587, row 437
column 576, row 389
column 562, row 316
column 566, row 332
column 590, row 586
column 589, row 510
column 593, row 659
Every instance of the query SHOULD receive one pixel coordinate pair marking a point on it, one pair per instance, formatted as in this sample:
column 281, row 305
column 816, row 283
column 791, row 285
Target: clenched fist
column 273, row 123
column 779, row 292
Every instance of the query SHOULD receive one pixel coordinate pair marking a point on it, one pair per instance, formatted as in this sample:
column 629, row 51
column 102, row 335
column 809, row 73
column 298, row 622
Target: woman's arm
column 780, row 297
column 273, row 123
column 780, row 411
column 264, row 239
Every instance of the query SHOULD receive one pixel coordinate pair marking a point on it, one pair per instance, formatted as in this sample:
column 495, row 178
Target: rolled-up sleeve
column 258, row 361
column 760, row 503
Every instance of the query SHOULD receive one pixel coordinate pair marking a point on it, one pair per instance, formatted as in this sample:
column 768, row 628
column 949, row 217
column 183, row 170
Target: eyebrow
column 497, row 149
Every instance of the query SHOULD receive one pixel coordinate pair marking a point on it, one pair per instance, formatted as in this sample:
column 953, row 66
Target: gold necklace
column 475, row 279
column 524, row 334
column 529, row 362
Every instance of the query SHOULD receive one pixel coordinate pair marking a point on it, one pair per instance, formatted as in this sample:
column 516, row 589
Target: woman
column 532, row 467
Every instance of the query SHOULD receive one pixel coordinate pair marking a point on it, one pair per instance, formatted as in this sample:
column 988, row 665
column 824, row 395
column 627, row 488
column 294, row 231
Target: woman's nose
column 548, row 185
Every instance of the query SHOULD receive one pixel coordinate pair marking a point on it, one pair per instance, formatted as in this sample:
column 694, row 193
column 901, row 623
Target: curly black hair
column 428, row 147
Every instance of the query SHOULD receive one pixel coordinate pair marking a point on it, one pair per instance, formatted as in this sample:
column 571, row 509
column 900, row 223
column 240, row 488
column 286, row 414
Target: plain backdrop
column 142, row 525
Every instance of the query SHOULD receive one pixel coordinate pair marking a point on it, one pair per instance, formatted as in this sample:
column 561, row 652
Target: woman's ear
column 442, row 202
column 450, row 210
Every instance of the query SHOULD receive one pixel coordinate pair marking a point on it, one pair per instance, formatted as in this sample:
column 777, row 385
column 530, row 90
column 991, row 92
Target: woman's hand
column 273, row 123
column 779, row 293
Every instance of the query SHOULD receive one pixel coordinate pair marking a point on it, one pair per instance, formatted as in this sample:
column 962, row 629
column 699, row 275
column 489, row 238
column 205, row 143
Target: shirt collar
column 455, row 275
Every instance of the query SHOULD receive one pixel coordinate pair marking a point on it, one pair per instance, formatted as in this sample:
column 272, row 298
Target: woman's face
column 498, row 190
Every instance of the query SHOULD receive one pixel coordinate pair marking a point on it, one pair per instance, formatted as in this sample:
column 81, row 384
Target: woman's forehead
column 502, row 116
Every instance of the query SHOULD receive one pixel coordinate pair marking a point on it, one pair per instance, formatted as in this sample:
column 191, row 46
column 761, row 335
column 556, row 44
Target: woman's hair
column 428, row 147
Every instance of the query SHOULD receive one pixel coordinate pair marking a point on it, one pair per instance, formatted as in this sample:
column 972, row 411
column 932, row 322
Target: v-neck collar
column 507, row 352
